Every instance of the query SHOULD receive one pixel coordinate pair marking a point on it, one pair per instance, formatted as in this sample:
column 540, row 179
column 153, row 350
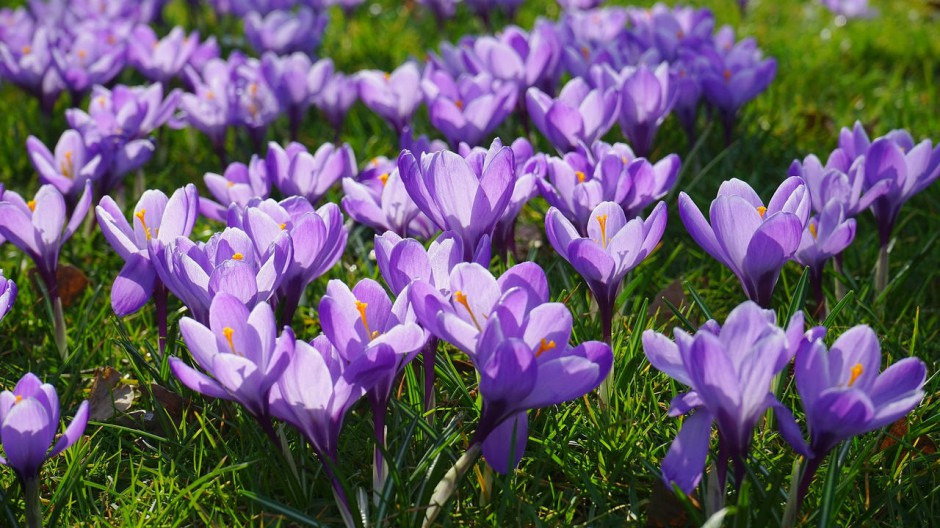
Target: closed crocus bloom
column 154, row 217
column 469, row 108
column 7, row 295
column 752, row 240
column 210, row 108
column 295, row 80
column 317, row 236
column 339, row 93
column 227, row 263
column 160, row 60
column 613, row 247
column 239, row 354
column 845, row 393
column 318, row 390
column 237, row 185
column 521, row 58
column 284, row 32
column 256, row 104
column 735, row 77
column 729, row 371
column 70, row 167
column 672, row 29
column 29, row 421
column 393, row 96
column 908, row 169
column 311, row 175
column 380, row 201
column 466, row 196
column 646, row 98
column 579, row 115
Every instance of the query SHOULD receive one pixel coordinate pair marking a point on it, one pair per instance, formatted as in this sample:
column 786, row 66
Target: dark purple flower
column 752, row 240
column 579, row 115
column 466, row 196
column 729, row 371
column 825, row 236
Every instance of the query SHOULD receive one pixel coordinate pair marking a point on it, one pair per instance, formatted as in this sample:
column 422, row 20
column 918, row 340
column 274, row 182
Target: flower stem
column 33, row 504
column 881, row 270
column 159, row 301
column 448, row 485
column 429, row 355
column 58, row 315
column 379, row 464
column 606, row 310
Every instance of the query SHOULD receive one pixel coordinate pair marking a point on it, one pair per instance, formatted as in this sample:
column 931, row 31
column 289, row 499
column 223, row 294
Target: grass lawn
column 174, row 458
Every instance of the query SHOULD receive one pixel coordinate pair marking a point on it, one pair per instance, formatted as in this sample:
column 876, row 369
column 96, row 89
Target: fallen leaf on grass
column 72, row 283
column 107, row 396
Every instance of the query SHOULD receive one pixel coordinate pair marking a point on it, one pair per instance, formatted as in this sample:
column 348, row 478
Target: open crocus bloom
column 578, row 115
column 752, row 240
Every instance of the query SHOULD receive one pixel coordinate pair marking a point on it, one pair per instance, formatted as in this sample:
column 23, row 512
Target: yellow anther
column 283, row 226
column 238, row 256
column 32, row 205
column 253, row 89
column 602, row 222
column 544, row 346
column 856, row 372
column 140, row 216
column 374, row 162
column 361, row 306
column 18, row 399
column 761, row 211
column 462, row 299
column 27, row 49
column 459, row 104
column 383, row 178
column 82, row 54
column 67, row 166
column 374, row 334
column 103, row 101
column 812, row 230
column 386, row 75
column 586, row 53
column 210, row 95
column 111, row 40
column 680, row 34
column 580, row 175
column 230, row 184
column 228, row 332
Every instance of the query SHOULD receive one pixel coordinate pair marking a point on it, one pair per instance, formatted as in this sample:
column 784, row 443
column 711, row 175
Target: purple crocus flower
column 752, row 240
column 295, row 81
column 296, row 172
column 318, row 390
column 29, row 421
column 363, row 318
column 160, row 60
column 729, row 371
column 442, row 9
column 89, row 59
column 579, row 4
column 841, row 179
column 237, row 185
column 8, row 293
column 227, row 263
column 734, row 77
column 581, row 180
column 514, row 56
column 286, row 32
column 210, row 107
column 38, row 227
column 393, row 96
column 646, row 98
column 27, row 62
column 155, row 216
column 850, row 8
column 240, row 353
column 339, row 93
column 317, row 236
column 466, row 196
column 844, row 395
column 579, row 115
column 613, row 247
column 255, row 102
column 378, row 199
column 70, row 167
column 825, row 236
column 469, row 108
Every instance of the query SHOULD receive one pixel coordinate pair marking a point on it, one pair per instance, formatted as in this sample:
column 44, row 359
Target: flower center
column 761, row 211
column 18, row 399
column 32, row 205
column 283, row 226
column 580, row 175
column 140, row 216
column 383, row 178
column 812, row 230
column 857, row 371
column 386, row 75
column 67, row 166
column 544, row 346
column 27, row 49
column 228, row 332
column 462, row 299
column 727, row 75
column 586, row 53
column 238, row 256
column 602, row 222
column 361, row 306
column 459, row 104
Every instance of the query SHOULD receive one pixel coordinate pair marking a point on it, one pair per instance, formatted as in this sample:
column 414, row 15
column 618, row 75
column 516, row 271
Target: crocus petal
column 684, row 463
column 73, row 432
column 504, row 446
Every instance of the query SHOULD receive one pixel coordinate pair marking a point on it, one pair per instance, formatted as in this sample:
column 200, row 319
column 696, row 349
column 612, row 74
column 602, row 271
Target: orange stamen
column 812, row 230
column 27, row 49
column 361, row 306
column 761, row 211
column 544, row 346
column 602, row 221
column 32, row 205
column 140, row 216
column 462, row 299
column 238, row 256
column 383, row 178
column 580, row 175
column 228, row 332
column 727, row 75
column 856, row 372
